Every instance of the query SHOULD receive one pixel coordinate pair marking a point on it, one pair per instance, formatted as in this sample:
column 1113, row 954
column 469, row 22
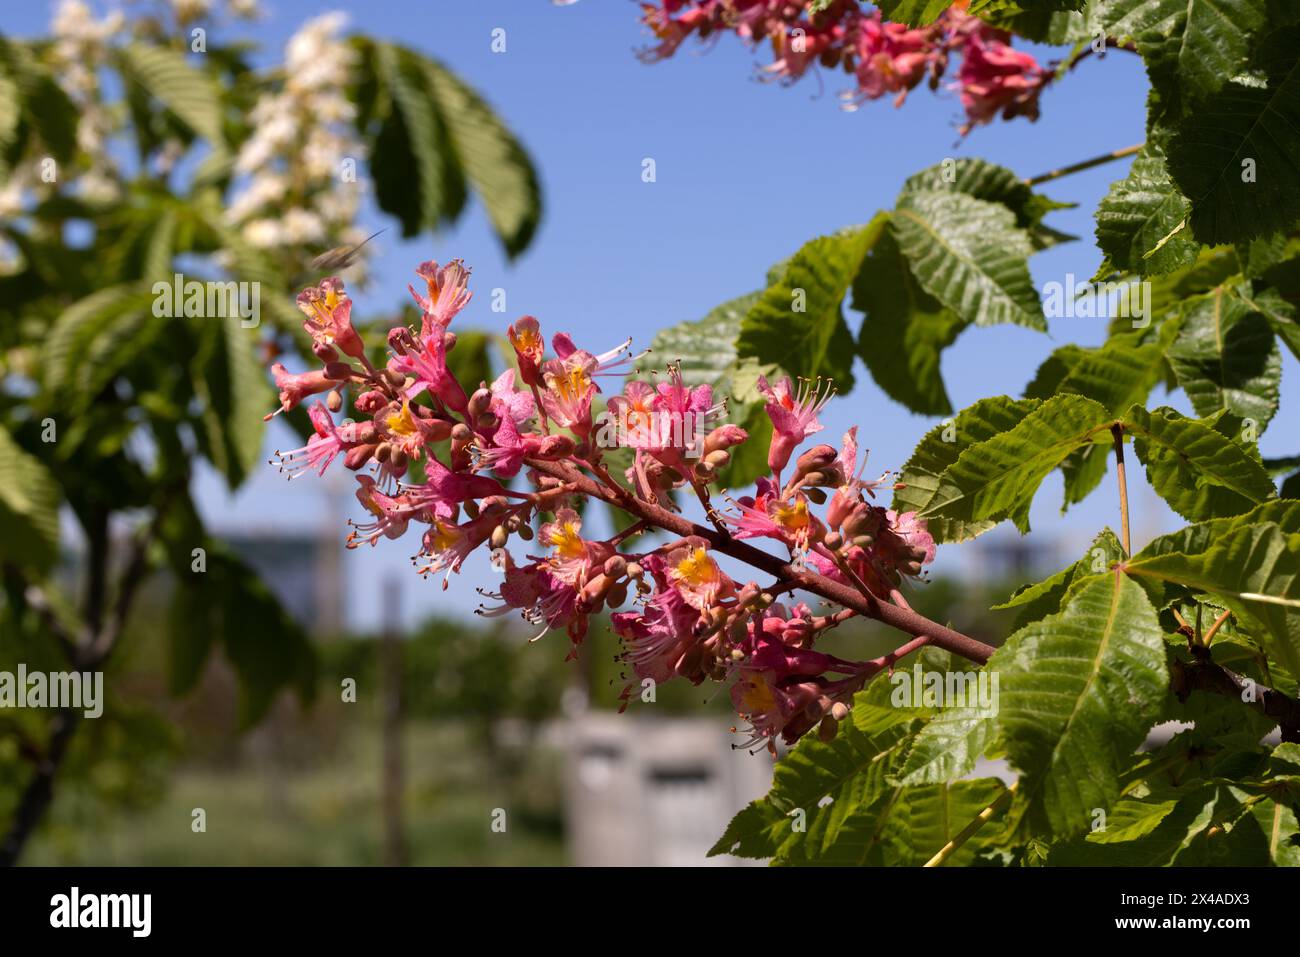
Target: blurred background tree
column 133, row 148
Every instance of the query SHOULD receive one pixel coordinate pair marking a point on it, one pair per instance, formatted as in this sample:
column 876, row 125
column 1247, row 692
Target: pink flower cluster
column 883, row 58
column 477, row 466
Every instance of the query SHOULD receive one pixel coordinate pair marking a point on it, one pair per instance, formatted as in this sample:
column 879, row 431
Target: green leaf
column 1237, row 155
column 1190, row 46
column 905, row 331
column 94, row 338
column 798, row 324
column 493, row 159
column 1254, row 569
column 1140, row 221
column 1078, row 691
column 980, row 179
column 1201, row 473
column 1226, row 357
column 941, row 447
column 926, row 818
column 188, row 92
column 29, row 508
column 1045, row 598
column 997, row 478
column 232, row 388
column 229, row 603
column 970, row 255
column 435, row 137
column 914, row 13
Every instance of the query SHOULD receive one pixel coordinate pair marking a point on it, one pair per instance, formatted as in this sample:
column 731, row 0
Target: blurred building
column 655, row 791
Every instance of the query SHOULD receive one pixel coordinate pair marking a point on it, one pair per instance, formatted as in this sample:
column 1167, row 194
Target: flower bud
column 833, row 541
column 398, row 461
column 615, row 566
column 334, row 401
column 555, row 447
column 718, row 458
column 480, row 402
column 325, row 352
column 634, row 570
column 460, row 432
column 449, row 340
column 499, row 537
column 382, row 452
column 526, row 532
column 338, row 371
column 617, row 596
column 724, row 437
column 839, row 711
column 815, row 495
column 358, row 456
column 371, row 402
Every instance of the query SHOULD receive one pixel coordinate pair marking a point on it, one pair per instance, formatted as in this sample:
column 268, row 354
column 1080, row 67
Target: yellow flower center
column 528, row 341
column 791, row 516
column 571, row 385
column 444, row 536
column 402, row 422
column 567, row 541
column 756, row 696
column 697, row 568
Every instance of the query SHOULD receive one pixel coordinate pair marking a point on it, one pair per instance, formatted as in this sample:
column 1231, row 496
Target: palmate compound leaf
column 997, row 478
column 1078, row 691
column 1226, row 358
column 798, row 323
column 1199, row 471
column 940, row 448
column 1253, row 569
column 1237, row 154
column 970, row 255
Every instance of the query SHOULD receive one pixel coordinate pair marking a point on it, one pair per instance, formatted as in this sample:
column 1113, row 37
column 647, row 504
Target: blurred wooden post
column 390, row 694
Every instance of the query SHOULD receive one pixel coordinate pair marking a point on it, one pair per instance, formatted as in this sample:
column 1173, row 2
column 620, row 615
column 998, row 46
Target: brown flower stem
column 901, row 618
column 1214, row 628
column 1085, row 164
column 1117, row 430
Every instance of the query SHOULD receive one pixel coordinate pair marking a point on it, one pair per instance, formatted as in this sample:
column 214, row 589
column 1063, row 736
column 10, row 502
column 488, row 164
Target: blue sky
column 746, row 172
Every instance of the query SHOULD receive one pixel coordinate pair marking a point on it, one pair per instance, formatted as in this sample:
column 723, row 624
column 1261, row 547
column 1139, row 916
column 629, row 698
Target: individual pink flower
column 329, row 317
column 569, row 391
column 574, row 560
column 995, row 79
column 530, row 349
column 794, row 416
column 320, row 450
column 447, row 545
column 697, row 576
column 892, row 58
column 509, row 402
column 447, row 290
column 294, row 387
column 427, row 364
column 444, row 489
column 392, row 514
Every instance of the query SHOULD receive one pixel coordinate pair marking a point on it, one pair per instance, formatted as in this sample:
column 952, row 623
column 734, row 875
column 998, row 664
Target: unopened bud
column 615, row 566
column 480, row 402
column 383, row 451
column 719, row 458
column 449, row 340
column 839, row 711
column 334, row 401
column 526, row 532
column 358, row 456
column 325, row 352
column 461, row 432
column 617, row 596
column 398, row 461
column 338, row 371
column 833, row 541
column 634, row 570
column 815, row 495
column 499, row 537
